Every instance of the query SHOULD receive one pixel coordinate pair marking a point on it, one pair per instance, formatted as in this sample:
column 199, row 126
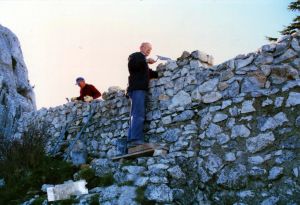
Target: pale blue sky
column 93, row 38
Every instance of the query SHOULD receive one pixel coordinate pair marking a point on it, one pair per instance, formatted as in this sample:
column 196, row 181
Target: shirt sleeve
column 153, row 74
column 96, row 93
column 136, row 63
column 81, row 96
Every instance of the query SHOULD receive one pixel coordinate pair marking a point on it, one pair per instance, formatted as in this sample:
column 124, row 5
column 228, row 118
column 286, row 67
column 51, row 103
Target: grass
column 93, row 181
column 140, row 197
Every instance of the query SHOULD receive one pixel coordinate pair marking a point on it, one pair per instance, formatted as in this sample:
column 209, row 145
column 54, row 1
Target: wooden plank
column 140, row 148
column 147, row 152
column 144, row 147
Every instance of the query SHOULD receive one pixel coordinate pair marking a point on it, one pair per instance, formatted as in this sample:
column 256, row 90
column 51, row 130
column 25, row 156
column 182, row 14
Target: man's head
column 80, row 82
column 146, row 48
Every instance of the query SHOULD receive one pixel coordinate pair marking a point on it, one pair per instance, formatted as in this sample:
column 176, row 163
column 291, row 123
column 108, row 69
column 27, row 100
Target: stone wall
column 232, row 131
column 16, row 94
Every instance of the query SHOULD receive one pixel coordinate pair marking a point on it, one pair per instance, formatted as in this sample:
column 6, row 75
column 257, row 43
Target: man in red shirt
column 88, row 92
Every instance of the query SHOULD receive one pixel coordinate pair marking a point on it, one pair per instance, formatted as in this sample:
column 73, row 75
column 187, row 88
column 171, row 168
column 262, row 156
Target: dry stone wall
column 232, row 131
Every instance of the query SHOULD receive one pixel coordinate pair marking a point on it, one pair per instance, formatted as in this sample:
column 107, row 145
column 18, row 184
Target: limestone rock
column 259, row 142
column 161, row 193
column 275, row 173
column 293, row 99
column 16, row 94
column 233, row 178
column 212, row 97
column 182, row 98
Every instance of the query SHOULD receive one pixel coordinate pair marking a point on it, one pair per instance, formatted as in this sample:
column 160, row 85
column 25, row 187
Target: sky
column 65, row 39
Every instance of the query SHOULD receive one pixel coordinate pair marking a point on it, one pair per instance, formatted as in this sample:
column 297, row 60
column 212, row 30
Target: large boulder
column 16, row 93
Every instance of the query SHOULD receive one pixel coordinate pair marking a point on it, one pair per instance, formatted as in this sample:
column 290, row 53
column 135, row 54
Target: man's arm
column 153, row 74
column 136, row 63
column 96, row 93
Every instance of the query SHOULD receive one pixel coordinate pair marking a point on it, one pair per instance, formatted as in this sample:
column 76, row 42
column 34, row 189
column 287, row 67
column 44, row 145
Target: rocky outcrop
column 16, row 94
column 232, row 131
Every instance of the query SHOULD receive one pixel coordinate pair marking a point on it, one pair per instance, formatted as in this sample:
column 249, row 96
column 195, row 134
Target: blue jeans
column 137, row 115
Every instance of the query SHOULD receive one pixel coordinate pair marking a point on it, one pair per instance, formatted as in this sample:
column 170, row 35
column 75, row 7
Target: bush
column 25, row 167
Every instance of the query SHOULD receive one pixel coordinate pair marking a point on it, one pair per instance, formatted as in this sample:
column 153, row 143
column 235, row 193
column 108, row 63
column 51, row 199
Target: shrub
column 25, row 167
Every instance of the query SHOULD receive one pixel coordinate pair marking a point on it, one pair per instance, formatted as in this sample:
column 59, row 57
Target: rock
column 208, row 86
column 240, row 63
column 195, row 64
column 266, row 70
column 176, row 172
column 213, row 130
column 141, row 181
column 232, row 90
column 253, row 83
column 296, row 172
column 184, row 55
column 204, row 177
column 295, row 45
column 223, row 138
column 181, row 99
column 157, row 169
column 297, row 121
column 196, row 95
column 278, row 101
column 220, row 117
column 213, row 164
column 203, row 57
column 289, row 54
column 264, row 59
column 79, row 153
column 171, row 65
column 127, row 195
column 292, row 142
column 110, row 193
column 275, row 173
column 267, row 102
column 256, row 160
column 270, row 201
column 270, row 48
column 261, row 141
column 137, row 170
column 185, row 115
column 233, row 178
column 226, row 75
column 222, row 86
column 247, row 106
column 16, row 94
column 240, row 131
column 245, row 194
column 161, row 193
column 230, row 157
column 257, row 172
column 293, row 99
column 102, row 167
column 212, row 97
column 171, row 135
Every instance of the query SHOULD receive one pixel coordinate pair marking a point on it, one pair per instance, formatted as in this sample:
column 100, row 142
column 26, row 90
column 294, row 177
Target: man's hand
column 88, row 98
column 150, row 61
column 73, row 99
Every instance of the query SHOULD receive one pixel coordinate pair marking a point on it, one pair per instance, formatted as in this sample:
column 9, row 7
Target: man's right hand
column 151, row 61
column 73, row 99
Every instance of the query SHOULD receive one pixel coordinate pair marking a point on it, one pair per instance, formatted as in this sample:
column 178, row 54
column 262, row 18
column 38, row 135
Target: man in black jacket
column 139, row 76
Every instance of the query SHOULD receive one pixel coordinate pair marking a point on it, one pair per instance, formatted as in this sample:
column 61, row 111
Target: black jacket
column 139, row 72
